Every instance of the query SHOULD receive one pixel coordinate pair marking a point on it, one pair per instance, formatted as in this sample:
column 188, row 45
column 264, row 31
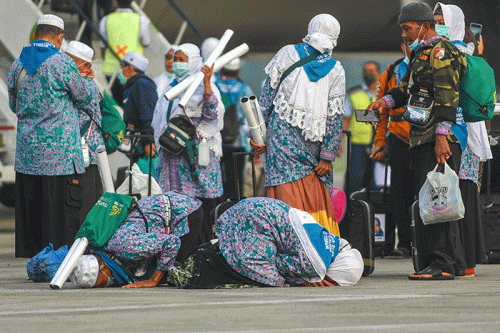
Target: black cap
column 416, row 12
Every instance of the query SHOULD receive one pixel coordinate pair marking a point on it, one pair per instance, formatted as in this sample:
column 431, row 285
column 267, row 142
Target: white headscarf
column 195, row 62
column 207, row 128
column 299, row 101
column 454, row 18
column 86, row 272
column 165, row 79
column 172, row 47
column 322, row 33
column 347, row 267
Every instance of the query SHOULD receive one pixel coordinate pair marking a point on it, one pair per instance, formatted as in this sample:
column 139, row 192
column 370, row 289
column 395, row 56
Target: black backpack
column 231, row 129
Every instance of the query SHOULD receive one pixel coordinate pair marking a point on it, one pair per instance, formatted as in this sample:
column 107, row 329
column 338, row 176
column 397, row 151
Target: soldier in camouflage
column 432, row 81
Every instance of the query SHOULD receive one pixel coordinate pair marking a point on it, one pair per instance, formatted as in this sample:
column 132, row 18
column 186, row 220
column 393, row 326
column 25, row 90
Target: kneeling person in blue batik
column 137, row 256
column 265, row 242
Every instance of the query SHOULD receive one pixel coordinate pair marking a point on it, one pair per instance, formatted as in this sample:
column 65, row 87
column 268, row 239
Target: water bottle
column 203, row 153
column 86, row 153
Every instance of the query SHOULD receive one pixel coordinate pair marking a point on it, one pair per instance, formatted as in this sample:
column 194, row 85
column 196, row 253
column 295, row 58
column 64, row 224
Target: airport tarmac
column 386, row 301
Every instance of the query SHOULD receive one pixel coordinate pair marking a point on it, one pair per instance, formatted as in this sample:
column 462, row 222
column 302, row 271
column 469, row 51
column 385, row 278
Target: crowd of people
column 290, row 238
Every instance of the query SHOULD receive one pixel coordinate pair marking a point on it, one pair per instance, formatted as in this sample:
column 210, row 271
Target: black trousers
column 191, row 240
column 471, row 227
column 402, row 194
column 440, row 245
column 48, row 210
column 212, row 270
column 207, row 231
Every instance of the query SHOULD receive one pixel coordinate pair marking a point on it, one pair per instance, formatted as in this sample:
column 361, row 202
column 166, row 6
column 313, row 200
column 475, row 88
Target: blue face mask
column 122, row 78
column 180, row 68
column 443, row 30
column 416, row 43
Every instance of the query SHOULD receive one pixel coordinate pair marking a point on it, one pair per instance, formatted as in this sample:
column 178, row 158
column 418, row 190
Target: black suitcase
column 490, row 215
column 490, row 218
column 416, row 243
column 222, row 207
column 379, row 200
column 357, row 229
column 357, row 226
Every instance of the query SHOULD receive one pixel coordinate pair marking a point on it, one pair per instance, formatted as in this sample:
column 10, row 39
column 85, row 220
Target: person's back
column 303, row 104
column 123, row 29
column 138, row 98
column 48, row 138
column 45, row 91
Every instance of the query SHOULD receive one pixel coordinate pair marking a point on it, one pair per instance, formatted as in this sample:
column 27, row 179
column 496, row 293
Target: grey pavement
column 386, row 301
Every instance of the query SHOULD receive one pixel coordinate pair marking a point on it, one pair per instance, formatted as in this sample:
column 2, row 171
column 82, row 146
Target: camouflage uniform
column 439, row 66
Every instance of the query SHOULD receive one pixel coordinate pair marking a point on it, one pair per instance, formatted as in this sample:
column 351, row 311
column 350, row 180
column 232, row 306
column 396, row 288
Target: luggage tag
column 86, row 153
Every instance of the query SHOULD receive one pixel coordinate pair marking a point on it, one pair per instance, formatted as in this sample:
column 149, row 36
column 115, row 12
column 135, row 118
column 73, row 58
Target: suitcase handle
column 134, row 140
column 254, row 178
column 348, row 162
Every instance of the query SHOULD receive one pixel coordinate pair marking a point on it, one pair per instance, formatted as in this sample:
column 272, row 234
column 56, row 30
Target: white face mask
column 180, row 68
column 407, row 57
column 416, row 43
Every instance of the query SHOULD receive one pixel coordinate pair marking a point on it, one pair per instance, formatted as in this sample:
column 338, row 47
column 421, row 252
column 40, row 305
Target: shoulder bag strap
column 20, row 79
column 105, row 135
column 299, row 63
column 290, row 69
column 169, row 110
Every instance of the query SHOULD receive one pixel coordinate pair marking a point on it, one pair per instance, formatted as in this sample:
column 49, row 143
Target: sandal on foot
column 470, row 272
column 431, row 274
column 399, row 253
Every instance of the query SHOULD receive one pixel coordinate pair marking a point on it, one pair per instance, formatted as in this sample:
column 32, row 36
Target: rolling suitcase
column 417, row 243
column 357, row 226
column 490, row 216
column 357, row 229
column 379, row 200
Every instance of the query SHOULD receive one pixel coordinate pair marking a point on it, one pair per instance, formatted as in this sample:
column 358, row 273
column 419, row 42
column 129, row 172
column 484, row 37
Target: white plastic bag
column 439, row 198
column 139, row 183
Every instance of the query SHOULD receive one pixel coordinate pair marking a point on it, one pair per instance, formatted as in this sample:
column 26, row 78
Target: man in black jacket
column 139, row 100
